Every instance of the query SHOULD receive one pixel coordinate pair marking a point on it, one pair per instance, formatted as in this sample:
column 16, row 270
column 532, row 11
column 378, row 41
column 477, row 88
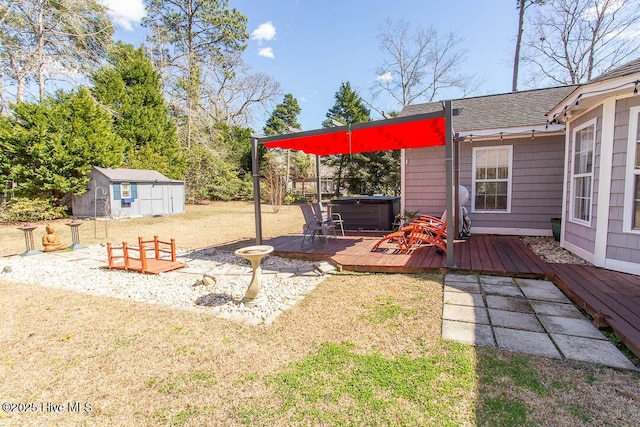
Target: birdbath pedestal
column 75, row 235
column 254, row 254
column 27, row 229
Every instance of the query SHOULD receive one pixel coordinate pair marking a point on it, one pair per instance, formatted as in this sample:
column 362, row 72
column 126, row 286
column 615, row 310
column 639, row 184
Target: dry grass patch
column 520, row 390
column 140, row 364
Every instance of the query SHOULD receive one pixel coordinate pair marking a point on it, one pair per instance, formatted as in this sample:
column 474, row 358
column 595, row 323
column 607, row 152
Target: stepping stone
column 324, row 267
column 469, row 287
column 527, row 342
column 569, row 326
column 508, row 303
column 494, row 280
column 507, row 291
column 468, row 333
column 463, row 313
column 556, row 309
column 542, row 290
column 593, row 351
column 513, row 320
column 465, row 278
column 462, row 298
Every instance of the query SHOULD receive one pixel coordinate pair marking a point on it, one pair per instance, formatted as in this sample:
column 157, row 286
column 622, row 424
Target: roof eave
column 592, row 93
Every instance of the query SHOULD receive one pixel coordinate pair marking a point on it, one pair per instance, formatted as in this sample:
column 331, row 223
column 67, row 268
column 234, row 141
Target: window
column 125, row 190
column 582, row 181
column 492, row 178
column 632, row 186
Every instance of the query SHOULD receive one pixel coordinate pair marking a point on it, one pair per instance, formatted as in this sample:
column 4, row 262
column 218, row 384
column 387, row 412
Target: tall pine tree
column 349, row 169
column 131, row 87
column 375, row 172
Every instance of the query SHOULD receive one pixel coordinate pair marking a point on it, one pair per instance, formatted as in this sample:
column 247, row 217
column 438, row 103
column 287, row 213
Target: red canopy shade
column 392, row 134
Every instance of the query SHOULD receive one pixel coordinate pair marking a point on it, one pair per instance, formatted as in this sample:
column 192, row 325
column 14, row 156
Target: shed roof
column 133, row 175
column 501, row 111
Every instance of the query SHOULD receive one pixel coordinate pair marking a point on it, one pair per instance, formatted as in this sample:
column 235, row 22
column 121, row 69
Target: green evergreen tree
column 235, row 146
column 375, row 172
column 54, row 145
column 349, row 169
column 284, row 118
column 132, row 88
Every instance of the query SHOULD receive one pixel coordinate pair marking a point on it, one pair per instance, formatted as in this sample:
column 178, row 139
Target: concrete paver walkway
column 525, row 316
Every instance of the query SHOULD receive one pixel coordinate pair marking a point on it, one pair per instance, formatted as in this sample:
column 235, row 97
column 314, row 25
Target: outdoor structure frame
column 421, row 130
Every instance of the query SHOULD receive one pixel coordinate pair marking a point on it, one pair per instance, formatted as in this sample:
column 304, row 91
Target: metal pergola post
column 318, row 187
column 449, row 182
column 255, row 170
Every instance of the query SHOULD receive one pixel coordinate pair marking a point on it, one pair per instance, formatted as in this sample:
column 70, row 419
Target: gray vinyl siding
column 425, row 177
column 153, row 198
column 580, row 235
column 536, row 194
column 621, row 246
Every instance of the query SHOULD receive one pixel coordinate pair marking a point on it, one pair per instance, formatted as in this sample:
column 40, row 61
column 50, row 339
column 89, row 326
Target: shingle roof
column 632, row 67
column 508, row 110
column 133, row 175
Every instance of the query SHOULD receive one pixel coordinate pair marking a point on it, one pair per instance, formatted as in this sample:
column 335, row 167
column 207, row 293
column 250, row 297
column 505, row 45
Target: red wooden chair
column 425, row 230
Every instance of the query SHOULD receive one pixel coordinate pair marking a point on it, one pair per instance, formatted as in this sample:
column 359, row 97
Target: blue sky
column 311, row 46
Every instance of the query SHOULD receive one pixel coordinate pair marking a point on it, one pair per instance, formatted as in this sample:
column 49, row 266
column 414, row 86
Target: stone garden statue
column 51, row 241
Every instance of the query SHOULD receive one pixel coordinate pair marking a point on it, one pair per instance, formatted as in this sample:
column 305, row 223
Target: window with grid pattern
column 492, row 178
column 583, row 149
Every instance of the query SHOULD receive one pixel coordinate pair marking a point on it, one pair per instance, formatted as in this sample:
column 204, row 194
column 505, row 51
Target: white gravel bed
column 212, row 281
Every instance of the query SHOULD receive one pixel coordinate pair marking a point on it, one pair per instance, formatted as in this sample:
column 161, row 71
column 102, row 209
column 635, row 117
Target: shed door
column 151, row 200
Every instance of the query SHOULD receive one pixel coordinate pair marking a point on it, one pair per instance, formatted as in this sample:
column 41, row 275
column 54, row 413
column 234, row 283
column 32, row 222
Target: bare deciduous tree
column 46, row 38
column 522, row 7
column 190, row 36
column 417, row 66
column 232, row 93
column 575, row 40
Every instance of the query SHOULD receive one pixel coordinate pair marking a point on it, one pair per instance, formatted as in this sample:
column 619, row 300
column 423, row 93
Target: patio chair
column 332, row 217
column 315, row 226
column 425, row 230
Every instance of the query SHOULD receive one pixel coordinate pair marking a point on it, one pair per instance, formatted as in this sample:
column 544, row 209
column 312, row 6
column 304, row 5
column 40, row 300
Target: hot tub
column 367, row 212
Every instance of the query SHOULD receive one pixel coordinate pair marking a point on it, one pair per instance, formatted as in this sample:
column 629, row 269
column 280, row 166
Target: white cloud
column 303, row 99
column 267, row 52
column 386, row 77
column 125, row 13
column 265, row 31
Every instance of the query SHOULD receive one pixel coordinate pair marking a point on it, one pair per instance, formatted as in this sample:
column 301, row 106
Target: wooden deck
column 611, row 298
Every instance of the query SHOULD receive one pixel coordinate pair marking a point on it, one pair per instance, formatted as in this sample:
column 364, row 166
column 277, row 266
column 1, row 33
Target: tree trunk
column 40, row 49
column 516, row 58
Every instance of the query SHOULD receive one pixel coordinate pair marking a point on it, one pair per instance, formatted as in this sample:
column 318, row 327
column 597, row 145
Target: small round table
column 254, row 254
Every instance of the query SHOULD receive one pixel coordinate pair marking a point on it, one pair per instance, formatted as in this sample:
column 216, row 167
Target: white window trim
column 122, row 191
column 594, row 123
column 473, row 178
column 627, row 219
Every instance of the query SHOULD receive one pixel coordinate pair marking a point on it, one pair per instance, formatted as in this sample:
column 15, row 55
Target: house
column 601, row 184
column 510, row 159
column 128, row 193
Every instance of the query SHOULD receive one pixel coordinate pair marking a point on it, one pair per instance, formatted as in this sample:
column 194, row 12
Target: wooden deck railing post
column 110, row 254
column 157, row 246
column 125, row 252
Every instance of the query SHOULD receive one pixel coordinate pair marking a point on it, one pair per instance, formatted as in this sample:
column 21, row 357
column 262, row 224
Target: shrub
column 22, row 209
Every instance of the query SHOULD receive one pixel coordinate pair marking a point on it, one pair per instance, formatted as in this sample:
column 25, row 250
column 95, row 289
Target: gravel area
column 550, row 251
column 212, row 281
